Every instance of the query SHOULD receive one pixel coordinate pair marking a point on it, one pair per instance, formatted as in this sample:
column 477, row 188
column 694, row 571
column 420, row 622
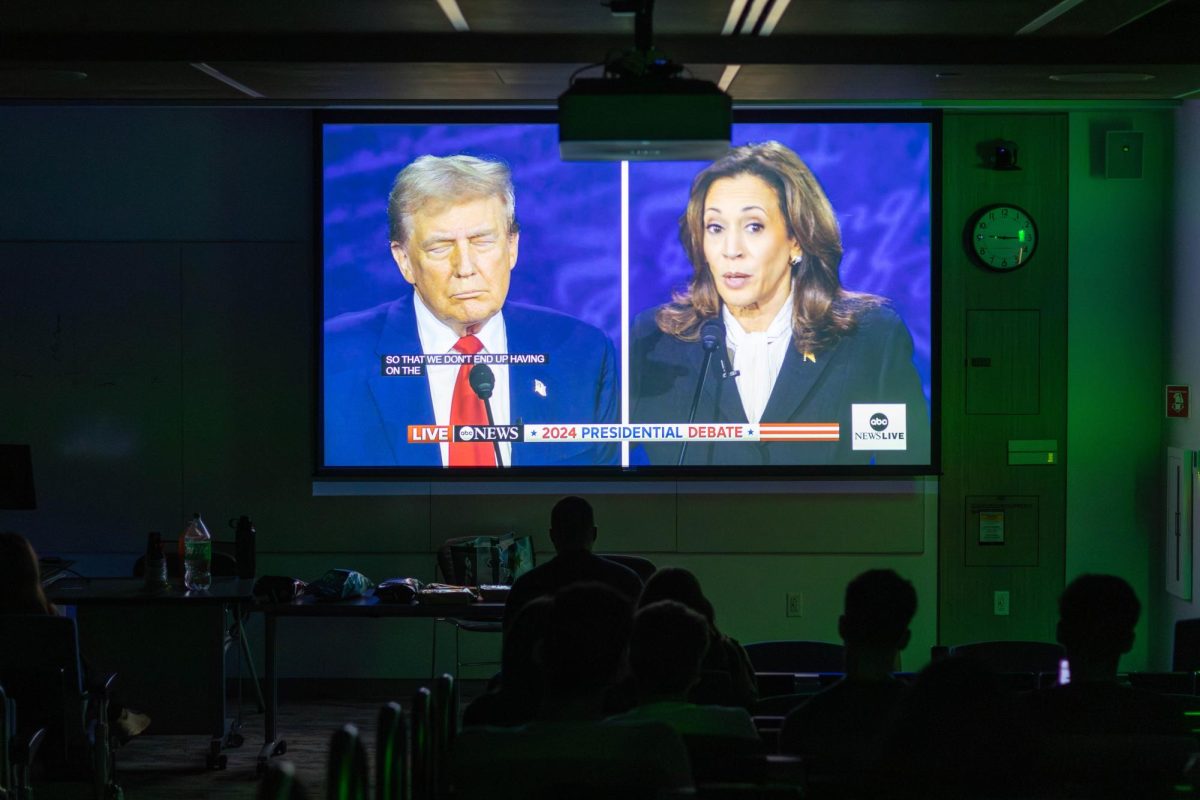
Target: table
column 202, row 628
column 366, row 607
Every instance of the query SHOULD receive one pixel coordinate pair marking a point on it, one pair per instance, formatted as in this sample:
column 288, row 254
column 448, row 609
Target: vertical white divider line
column 624, row 307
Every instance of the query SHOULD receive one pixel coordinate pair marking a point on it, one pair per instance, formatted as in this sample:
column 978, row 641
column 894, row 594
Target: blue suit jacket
column 871, row 365
column 367, row 414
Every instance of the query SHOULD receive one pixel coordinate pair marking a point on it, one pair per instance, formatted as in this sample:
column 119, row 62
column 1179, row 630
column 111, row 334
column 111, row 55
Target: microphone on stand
column 712, row 339
column 483, row 383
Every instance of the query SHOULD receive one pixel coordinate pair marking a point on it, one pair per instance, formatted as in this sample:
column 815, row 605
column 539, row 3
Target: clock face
column 1002, row 237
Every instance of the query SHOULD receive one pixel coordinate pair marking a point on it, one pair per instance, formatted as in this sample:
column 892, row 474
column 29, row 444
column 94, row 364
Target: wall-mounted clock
column 1001, row 237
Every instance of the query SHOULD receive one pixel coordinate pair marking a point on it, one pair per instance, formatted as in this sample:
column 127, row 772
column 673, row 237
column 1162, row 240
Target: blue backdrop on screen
column 877, row 176
column 569, row 213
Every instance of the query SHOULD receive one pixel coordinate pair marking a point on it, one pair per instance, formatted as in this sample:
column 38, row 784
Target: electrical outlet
column 795, row 604
column 1000, row 603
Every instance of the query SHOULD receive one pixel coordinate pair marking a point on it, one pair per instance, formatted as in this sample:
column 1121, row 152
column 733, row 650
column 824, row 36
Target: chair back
column 421, row 742
column 280, row 783
column 796, row 655
column 346, row 777
column 719, row 759
column 391, row 754
column 444, row 728
column 1014, row 657
column 644, row 567
column 41, row 672
column 8, row 732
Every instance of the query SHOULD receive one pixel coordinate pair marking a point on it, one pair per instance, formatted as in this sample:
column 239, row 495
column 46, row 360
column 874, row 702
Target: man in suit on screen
column 455, row 239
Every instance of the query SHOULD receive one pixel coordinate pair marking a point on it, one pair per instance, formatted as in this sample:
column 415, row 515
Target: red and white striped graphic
column 799, row 431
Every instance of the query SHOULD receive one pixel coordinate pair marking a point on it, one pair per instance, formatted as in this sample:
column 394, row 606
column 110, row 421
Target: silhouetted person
column 956, row 733
column 1097, row 616
column 21, row 593
column 568, row 751
column 573, row 532
column 840, row 727
column 727, row 676
column 517, row 695
column 666, row 651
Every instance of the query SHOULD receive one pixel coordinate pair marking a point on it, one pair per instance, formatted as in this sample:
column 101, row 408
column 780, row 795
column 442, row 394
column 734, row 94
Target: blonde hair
column 433, row 180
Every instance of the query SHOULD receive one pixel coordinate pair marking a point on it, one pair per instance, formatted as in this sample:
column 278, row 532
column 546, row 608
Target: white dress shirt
column 758, row 357
column 439, row 338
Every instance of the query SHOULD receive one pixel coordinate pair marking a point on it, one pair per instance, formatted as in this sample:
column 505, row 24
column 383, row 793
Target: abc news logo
column 880, row 426
column 487, row 433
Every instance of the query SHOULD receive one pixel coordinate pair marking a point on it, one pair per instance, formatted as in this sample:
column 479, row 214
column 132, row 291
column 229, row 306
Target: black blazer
column 872, row 365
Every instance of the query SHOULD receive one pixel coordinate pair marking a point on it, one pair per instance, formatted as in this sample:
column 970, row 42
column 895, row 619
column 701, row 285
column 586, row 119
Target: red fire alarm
column 1178, row 401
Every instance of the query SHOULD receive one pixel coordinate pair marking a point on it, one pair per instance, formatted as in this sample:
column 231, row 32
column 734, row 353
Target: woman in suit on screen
column 765, row 248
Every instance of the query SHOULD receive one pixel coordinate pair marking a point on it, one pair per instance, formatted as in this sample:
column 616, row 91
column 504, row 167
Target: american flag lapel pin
column 539, row 388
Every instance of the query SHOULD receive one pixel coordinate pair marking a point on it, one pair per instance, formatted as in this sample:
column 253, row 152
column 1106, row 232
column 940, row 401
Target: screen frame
column 486, row 114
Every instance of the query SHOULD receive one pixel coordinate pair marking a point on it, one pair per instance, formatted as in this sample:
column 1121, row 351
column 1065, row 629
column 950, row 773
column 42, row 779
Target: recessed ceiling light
column 1102, row 77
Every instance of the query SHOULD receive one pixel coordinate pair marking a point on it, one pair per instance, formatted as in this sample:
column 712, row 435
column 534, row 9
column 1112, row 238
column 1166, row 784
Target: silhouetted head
column 572, row 526
column 680, row 585
column 667, row 648
column 521, row 665
column 587, row 638
column 20, row 577
column 879, row 608
column 1097, row 615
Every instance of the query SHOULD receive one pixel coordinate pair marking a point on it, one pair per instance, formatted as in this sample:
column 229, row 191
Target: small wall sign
column 1178, row 401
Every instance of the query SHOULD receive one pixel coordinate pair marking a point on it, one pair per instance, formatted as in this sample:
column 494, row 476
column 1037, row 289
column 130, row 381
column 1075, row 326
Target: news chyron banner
column 655, row 432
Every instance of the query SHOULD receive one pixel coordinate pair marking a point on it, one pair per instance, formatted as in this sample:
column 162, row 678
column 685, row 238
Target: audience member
column 573, row 532
column 1097, row 616
column 21, row 593
column 841, row 726
column 568, row 751
column 21, row 577
column 517, row 696
column 955, row 734
column 727, row 676
column 665, row 655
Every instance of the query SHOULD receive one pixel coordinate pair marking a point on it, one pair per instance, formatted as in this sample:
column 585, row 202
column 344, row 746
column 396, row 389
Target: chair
column 280, row 783
column 1014, row 657
column 724, row 758
column 17, row 752
column 41, row 671
column 391, row 754
column 451, row 575
column 443, row 728
column 796, row 655
column 421, row 740
column 644, row 567
column 346, row 777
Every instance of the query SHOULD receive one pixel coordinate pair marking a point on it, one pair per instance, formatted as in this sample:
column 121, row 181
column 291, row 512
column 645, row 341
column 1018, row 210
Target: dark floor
column 173, row 767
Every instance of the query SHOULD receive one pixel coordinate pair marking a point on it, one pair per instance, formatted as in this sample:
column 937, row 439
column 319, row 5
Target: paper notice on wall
column 991, row 527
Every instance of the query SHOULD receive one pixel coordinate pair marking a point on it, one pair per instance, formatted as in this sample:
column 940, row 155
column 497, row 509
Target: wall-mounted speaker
column 1123, row 154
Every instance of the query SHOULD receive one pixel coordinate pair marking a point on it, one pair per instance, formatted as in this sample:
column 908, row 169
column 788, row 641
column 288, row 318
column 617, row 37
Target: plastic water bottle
column 197, row 555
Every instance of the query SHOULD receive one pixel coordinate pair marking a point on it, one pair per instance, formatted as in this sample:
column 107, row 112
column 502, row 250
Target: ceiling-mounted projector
column 643, row 119
column 642, row 110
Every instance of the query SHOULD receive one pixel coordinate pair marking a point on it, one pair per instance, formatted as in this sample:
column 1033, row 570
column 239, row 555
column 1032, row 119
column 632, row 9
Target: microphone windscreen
column 712, row 333
column 483, row 381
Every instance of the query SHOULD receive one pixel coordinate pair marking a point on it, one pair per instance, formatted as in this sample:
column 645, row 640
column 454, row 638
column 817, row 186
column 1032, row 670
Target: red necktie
column 467, row 409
